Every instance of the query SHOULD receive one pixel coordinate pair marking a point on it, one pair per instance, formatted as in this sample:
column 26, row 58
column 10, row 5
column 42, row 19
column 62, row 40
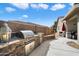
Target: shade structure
column 63, row 27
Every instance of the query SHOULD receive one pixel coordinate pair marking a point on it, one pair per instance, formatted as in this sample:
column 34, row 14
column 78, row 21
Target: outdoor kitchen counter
column 12, row 48
column 2, row 45
column 18, row 46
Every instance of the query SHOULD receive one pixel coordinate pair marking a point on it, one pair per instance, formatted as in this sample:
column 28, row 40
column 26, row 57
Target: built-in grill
column 23, row 34
column 27, row 33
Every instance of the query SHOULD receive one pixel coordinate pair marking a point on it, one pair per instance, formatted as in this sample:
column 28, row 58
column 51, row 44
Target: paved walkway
column 59, row 47
column 42, row 49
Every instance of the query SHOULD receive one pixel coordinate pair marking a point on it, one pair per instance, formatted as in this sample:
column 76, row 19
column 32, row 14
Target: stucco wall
column 72, row 25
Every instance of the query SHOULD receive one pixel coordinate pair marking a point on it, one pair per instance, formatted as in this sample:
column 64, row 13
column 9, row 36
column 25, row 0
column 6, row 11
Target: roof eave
column 71, row 13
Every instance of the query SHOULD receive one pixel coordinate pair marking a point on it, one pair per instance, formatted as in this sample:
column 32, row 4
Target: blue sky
column 39, row 13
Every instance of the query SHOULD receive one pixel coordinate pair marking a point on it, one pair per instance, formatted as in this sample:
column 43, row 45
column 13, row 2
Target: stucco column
column 66, row 26
column 78, row 29
column 66, row 34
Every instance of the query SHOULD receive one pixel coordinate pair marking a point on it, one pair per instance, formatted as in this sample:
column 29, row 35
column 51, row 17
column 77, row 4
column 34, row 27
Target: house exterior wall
column 72, row 20
column 59, row 26
column 72, row 25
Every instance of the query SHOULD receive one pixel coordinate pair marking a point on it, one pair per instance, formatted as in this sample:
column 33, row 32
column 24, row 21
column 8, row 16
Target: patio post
column 66, row 29
column 66, row 34
column 78, row 28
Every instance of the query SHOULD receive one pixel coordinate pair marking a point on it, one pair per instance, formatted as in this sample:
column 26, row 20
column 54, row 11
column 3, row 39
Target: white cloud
column 25, row 16
column 43, row 6
column 10, row 9
column 57, row 7
column 71, row 4
column 34, row 5
column 21, row 5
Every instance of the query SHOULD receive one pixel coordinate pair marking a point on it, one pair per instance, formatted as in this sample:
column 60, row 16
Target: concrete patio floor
column 59, row 47
column 42, row 49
